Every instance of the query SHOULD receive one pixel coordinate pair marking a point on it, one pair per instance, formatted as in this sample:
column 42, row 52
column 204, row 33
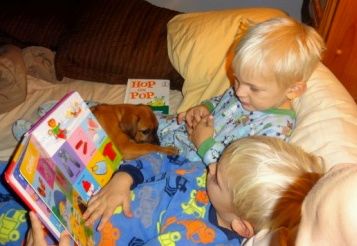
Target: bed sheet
column 40, row 91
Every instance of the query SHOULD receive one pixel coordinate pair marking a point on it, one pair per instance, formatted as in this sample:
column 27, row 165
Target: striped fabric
column 35, row 22
column 114, row 40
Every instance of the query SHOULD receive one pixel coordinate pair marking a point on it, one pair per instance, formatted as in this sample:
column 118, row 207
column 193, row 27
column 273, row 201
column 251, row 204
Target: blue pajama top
column 231, row 122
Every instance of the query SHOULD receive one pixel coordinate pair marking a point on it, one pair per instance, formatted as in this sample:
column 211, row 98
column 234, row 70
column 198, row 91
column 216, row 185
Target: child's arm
column 103, row 204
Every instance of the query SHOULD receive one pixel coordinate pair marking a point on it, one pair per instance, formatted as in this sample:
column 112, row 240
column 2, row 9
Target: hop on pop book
column 152, row 92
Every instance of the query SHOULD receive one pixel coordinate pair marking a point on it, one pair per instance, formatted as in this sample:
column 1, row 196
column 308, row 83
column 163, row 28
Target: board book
column 63, row 160
column 152, row 92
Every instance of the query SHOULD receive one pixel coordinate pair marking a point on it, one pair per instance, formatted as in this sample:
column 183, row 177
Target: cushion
column 327, row 119
column 13, row 82
column 39, row 63
column 326, row 113
column 199, row 48
column 116, row 40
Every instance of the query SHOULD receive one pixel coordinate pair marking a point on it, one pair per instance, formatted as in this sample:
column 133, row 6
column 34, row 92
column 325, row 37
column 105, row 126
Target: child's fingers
column 207, row 121
column 93, row 217
column 210, row 121
column 35, row 222
column 190, row 117
column 36, row 235
column 188, row 121
column 127, row 208
column 94, row 213
column 194, row 123
column 197, row 119
column 65, row 239
column 93, row 205
column 189, row 130
column 202, row 122
column 88, row 212
column 181, row 117
column 29, row 238
column 105, row 217
column 102, row 223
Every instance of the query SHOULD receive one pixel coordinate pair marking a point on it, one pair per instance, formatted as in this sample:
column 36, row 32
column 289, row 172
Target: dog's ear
column 128, row 125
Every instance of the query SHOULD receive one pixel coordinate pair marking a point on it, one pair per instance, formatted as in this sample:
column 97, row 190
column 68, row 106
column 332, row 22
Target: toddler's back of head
column 269, row 179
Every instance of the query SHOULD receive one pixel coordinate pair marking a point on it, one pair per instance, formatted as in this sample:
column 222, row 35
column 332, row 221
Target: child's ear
column 242, row 227
column 296, row 90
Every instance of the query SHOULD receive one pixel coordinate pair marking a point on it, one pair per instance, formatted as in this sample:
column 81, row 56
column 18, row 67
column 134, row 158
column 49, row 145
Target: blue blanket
column 14, row 220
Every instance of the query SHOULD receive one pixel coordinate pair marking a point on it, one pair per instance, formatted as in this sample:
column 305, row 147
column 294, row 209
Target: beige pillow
column 39, row 62
column 199, row 45
column 327, row 119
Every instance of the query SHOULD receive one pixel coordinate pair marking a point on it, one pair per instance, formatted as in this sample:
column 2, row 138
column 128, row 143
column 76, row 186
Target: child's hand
column 193, row 116
column 36, row 237
column 113, row 194
column 202, row 131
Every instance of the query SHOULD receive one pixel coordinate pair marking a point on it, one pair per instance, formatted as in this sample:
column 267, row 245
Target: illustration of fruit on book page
column 70, row 158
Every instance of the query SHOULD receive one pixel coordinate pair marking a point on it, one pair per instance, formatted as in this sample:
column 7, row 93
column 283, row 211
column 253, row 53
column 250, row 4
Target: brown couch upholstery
column 96, row 40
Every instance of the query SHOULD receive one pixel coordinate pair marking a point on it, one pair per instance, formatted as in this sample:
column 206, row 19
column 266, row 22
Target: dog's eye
column 146, row 131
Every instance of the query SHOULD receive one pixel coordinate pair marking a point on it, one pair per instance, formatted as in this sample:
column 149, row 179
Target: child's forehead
column 256, row 77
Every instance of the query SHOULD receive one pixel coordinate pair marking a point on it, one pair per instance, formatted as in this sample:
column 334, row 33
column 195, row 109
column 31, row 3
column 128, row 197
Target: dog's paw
column 170, row 150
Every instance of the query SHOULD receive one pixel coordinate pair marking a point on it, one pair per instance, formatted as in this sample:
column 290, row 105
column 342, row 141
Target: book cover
column 153, row 92
column 63, row 160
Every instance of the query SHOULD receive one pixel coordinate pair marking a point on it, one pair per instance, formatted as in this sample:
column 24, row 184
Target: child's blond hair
column 285, row 50
column 269, row 179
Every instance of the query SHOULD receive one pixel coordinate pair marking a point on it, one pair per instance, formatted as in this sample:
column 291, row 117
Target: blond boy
column 272, row 63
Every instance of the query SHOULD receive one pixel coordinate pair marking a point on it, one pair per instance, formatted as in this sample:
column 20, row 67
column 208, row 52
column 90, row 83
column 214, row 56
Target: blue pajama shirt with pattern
column 231, row 122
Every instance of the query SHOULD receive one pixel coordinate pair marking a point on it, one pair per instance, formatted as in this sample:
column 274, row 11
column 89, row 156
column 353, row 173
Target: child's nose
column 242, row 91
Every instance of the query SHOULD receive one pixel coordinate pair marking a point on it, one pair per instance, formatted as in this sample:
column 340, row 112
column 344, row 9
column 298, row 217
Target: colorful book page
column 68, row 159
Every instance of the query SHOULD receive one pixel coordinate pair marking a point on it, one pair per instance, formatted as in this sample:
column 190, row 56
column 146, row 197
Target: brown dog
column 132, row 128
